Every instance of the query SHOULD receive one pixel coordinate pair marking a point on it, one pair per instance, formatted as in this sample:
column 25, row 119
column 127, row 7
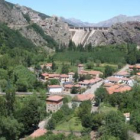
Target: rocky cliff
column 20, row 18
column 120, row 33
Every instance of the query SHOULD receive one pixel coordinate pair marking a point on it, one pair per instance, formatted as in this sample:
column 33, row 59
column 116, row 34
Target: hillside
column 121, row 33
column 21, row 18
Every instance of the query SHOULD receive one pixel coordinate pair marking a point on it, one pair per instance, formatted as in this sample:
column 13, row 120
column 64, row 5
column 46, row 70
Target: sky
column 92, row 11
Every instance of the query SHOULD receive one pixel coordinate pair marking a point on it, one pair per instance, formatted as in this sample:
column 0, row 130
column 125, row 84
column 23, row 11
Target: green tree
column 108, row 71
column 135, row 120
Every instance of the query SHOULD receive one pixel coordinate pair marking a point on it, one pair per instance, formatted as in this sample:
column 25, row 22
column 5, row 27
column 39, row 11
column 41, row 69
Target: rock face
column 120, row 33
column 15, row 17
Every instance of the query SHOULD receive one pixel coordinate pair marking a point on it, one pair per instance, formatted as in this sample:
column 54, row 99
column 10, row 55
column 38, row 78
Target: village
column 81, row 90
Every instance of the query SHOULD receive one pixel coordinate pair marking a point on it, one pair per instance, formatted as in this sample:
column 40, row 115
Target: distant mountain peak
column 107, row 23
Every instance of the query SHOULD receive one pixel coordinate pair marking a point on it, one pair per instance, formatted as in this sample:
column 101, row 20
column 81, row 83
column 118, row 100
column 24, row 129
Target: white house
column 55, row 89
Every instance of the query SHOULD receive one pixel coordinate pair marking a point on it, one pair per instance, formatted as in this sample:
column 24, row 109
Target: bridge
column 81, row 35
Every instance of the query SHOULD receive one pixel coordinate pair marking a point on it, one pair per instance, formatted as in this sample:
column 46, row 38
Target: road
column 124, row 68
column 94, row 88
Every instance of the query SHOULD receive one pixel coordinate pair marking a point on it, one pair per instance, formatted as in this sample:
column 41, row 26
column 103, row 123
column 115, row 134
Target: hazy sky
column 85, row 10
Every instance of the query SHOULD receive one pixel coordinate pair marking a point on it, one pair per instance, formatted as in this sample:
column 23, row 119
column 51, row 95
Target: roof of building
column 94, row 72
column 71, row 73
column 134, row 66
column 68, row 86
column 111, row 89
column 84, row 97
column 122, row 89
column 122, row 73
column 127, row 115
column 108, row 84
column 138, row 73
column 64, row 76
column 54, row 86
column 53, row 75
column 90, row 72
column 118, row 89
column 39, row 132
column 54, row 98
column 113, row 79
column 44, row 74
column 85, row 82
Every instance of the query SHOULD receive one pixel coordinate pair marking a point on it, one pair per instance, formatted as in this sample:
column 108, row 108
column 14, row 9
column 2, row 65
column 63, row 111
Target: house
column 108, row 84
column 54, row 76
column 45, row 76
column 83, row 97
column 93, row 74
column 64, row 78
column 84, row 84
column 55, row 89
column 132, row 67
column 69, row 87
column 114, row 80
column 47, row 66
column 80, row 68
column 87, row 83
column 127, row 116
column 122, row 74
column 38, row 133
column 118, row 89
column 71, row 74
column 54, row 103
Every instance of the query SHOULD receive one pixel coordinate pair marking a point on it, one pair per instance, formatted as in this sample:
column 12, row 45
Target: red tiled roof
column 122, row 73
column 138, row 73
column 84, row 97
column 54, row 98
column 64, row 76
column 134, row 66
column 122, row 89
column 94, row 72
column 118, row 89
column 53, row 75
column 68, row 86
column 113, row 79
column 38, row 133
column 111, row 89
column 54, row 86
column 44, row 74
column 85, row 82
column 71, row 73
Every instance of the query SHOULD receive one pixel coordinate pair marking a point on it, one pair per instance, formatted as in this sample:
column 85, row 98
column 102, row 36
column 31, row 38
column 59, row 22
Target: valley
column 66, row 79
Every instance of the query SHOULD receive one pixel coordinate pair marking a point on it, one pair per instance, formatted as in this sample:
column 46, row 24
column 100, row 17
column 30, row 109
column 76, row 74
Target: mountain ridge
column 106, row 23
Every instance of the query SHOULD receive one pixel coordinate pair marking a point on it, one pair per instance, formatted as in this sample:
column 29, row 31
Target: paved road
column 94, row 88
column 124, row 68
column 134, row 135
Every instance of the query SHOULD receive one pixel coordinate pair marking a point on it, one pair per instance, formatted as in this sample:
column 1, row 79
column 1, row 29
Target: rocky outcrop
column 52, row 26
column 120, row 33
column 15, row 16
column 33, row 36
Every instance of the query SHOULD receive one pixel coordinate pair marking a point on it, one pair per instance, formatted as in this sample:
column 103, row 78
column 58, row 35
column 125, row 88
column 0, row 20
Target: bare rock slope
column 120, row 33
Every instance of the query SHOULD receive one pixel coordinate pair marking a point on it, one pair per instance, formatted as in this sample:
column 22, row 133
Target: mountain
column 76, row 22
column 41, row 29
column 120, row 33
column 106, row 23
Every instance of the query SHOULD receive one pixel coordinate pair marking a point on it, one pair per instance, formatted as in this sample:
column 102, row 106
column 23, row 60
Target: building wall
column 55, row 90
column 53, row 107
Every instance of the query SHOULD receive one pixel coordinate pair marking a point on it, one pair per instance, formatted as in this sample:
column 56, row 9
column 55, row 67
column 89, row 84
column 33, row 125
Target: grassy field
column 73, row 124
column 73, row 68
column 105, row 108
